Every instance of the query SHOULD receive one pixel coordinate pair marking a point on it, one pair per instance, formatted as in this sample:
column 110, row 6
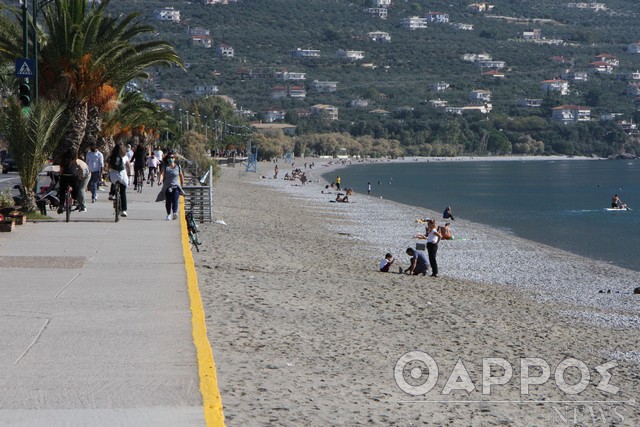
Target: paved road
column 95, row 323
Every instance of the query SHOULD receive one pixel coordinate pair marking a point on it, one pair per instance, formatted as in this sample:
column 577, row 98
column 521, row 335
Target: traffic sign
column 25, row 67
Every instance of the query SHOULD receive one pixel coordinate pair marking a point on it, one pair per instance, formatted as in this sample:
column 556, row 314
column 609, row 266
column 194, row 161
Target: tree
column 31, row 138
column 87, row 56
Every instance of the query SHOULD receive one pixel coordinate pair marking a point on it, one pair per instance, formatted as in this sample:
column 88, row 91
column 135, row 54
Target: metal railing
column 199, row 195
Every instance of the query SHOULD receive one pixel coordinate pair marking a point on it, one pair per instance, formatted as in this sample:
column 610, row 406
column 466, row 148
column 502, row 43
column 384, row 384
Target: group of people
column 121, row 164
column 419, row 261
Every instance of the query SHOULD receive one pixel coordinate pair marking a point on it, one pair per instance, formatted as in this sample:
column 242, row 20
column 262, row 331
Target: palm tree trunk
column 93, row 129
column 77, row 118
column 28, row 199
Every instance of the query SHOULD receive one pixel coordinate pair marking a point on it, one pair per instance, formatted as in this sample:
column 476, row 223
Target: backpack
column 116, row 163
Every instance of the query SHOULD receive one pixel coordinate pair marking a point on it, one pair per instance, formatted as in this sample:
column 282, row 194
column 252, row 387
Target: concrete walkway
column 95, row 323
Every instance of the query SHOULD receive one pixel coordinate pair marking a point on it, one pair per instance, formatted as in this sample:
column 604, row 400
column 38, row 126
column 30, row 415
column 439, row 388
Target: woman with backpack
column 173, row 180
column 118, row 163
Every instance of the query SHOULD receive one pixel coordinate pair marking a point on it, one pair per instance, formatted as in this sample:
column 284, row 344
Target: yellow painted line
column 212, row 402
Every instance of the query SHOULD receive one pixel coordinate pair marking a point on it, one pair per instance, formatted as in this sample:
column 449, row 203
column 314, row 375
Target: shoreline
column 306, row 331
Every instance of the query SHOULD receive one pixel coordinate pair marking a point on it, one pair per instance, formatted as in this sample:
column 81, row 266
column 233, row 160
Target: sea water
column 561, row 203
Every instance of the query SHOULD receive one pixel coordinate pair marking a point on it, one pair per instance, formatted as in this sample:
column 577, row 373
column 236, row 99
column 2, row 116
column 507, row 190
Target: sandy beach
column 306, row 332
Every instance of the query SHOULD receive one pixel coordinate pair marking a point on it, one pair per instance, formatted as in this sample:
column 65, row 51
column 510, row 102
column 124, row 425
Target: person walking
column 338, row 182
column 172, row 179
column 95, row 161
column 118, row 166
column 433, row 237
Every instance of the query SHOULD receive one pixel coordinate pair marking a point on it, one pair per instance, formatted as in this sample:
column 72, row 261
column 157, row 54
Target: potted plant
column 6, row 201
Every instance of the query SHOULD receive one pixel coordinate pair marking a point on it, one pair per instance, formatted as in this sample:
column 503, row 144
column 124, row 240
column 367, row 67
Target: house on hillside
column 380, row 12
column 437, row 17
column 380, row 112
column 530, row 102
column 379, row 36
column 414, row 23
column 556, row 85
column 350, row 55
column 202, row 40
column 601, row 67
column 324, row 86
column 383, row 3
column 198, row 31
column 274, row 115
column 491, row 64
column 496, row 74
column 440, row 86
column 575, row 76
column 320, row 109
column 167, row 14
column 570, row 114
column 479, row 96
column 461, row 26
column 225, row 51
column 359, row 103
column 593, row 6
column 297, row 92
column 480, row 7
column 305, row 53
column 438, row 103
column 608, row 58
column 205, row 90
column 535, row 34
column 291, row 75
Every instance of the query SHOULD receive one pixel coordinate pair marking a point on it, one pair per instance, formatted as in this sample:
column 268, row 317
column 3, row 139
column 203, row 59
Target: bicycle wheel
column 117, row 202
column 140, row 180
column 68, row 201
column 193, row 237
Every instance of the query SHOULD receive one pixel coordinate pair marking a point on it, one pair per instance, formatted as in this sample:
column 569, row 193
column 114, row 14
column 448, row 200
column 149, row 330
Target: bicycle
column 192, row 229
column 68, row 201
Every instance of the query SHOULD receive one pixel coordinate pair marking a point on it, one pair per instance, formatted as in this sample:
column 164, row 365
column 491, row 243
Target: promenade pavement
column 95, row 323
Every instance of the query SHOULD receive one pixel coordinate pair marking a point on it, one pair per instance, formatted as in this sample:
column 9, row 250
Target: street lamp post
column 36, row 7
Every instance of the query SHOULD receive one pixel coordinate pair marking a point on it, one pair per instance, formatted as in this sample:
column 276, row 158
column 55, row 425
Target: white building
column 461, row 26
column 530, row 102
column 350, row 55
column 414, row 23
column 225, row 51
column 167, row 14
column 324, row 86
column 305, row 53
column 379, row 36
column 440, row 86
column 204, row 90
column 380, row 12
column 556, row 85
column 570, row 114
column 437, row 17
column 329, row 110
column 479, row 96
column 491, row 64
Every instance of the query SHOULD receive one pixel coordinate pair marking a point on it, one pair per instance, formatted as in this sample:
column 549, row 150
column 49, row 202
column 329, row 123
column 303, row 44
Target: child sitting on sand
column 386, row 262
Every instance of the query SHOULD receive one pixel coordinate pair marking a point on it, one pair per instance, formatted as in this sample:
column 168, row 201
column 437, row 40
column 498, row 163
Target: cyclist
column 139, row 160
column 118, row 162
column 152, row 165
column 76, row 174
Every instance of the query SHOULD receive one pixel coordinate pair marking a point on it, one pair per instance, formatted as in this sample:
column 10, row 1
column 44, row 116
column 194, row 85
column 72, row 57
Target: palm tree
column 87, row 57
column 31, row 138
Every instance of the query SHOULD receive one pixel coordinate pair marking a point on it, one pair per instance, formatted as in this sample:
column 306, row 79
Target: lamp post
column 36, row 7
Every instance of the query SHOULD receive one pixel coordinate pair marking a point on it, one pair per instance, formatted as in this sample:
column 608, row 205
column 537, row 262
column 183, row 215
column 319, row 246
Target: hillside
column 401, row 72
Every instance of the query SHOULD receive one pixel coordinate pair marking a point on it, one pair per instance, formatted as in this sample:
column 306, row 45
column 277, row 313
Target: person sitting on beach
column 386, row 262
column 447, row 214
column 349, row 191
column 419, row 262
column 286, row 176
column 616, row 203
column 341, row 198
column 445, row 231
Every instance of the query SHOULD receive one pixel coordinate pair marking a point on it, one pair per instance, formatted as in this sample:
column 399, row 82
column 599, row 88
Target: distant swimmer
column 616, row 203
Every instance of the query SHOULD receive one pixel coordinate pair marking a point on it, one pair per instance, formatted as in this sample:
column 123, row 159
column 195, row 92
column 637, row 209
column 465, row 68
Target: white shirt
column 433, row 237
column 158, row 155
